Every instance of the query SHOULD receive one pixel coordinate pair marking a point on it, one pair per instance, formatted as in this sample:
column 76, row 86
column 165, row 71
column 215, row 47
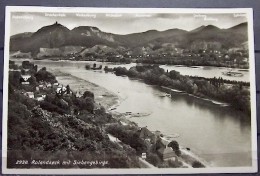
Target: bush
column 85, row 104
column 51, row 107
column 154, row 159
column 88, row 94
column 174, row 164
column 174, row 145
column 43, row 75
column 120, row 71
column 128, row 136
column 197, row 164
column 14, row 78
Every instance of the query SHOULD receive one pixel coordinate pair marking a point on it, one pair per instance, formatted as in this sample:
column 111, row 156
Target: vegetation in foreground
column 61, row 128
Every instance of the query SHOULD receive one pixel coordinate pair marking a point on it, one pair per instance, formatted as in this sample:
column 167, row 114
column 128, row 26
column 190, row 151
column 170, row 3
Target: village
column 41, row 88
column 206, row 55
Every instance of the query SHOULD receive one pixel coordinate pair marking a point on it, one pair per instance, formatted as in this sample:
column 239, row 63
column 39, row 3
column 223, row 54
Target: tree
column 68, row 89
column 43, row 75
column 25, row 64
column 120, row 71
column 32, row 81
column 154, row 159
column 132, row 72
column 174, row 145
column 197, row 164
column 174, row 74
column 89, row 105
column 23, row 72
column 88, row 94
column 14, row 78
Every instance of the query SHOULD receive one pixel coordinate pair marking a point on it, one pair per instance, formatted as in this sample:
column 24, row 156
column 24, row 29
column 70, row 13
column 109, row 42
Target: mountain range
column 57, row 36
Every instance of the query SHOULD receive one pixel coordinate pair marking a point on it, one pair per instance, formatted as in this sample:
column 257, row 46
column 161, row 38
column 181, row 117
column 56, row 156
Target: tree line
column 237, row 94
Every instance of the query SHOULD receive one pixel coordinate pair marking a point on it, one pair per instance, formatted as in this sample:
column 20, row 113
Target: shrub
column 43, row 75
column 88, row 94
column 197, row 164
column 154, row 159
column 51, row 107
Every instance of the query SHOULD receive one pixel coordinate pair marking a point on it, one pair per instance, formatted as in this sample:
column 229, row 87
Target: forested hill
column 60, row 127
column 57, row 35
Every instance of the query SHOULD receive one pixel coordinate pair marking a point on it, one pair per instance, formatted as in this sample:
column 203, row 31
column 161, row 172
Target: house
column 161, row 143
column 167, row 153
column 145, row 134
column 245, row 59
column 61, row 90
column 29, row 94
column 40, row 98
column 56, row 84
column 25, row 79
column 48, row 85
column 78, row 94
column 164, row 151
column 40, row 86
column 26, row 70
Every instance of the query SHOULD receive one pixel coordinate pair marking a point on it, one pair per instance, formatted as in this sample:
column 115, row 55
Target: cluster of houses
column 162, row 149
column 41, row 87
column 40, row 94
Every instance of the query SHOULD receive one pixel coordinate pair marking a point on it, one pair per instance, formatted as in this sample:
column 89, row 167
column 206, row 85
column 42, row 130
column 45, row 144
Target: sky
column 122, row 23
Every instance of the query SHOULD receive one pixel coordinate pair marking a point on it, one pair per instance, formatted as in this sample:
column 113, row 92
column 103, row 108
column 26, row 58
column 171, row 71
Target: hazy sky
column 121, row 23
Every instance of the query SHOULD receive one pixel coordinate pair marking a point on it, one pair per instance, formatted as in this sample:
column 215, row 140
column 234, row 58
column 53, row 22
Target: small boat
column 168, row 95
column 233, row 74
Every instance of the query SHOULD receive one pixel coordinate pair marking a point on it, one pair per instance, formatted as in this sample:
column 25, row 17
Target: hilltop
column 58, row 36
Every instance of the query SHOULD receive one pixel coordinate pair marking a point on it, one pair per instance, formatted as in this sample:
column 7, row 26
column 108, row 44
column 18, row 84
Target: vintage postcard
column 128, row 90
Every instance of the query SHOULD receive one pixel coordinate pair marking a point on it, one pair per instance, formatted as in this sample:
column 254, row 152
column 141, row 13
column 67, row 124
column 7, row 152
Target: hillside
column 60, row 127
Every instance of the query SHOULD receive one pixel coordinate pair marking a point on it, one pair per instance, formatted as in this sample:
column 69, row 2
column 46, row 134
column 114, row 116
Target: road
column 143, row 163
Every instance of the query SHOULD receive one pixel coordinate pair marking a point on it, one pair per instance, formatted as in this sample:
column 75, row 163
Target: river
column 217, row 134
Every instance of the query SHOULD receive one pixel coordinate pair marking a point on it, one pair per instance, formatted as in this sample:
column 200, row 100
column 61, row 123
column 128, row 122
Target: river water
column 218, row 134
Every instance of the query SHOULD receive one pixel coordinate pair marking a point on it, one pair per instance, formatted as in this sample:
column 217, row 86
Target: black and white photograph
column 129, row 90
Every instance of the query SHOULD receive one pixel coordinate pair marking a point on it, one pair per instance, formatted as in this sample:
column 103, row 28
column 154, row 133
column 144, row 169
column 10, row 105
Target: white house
column 25, row 79
column 61, row 89
column 40, row 98
column 48, row 85
column 29, row 94
column 78, row 94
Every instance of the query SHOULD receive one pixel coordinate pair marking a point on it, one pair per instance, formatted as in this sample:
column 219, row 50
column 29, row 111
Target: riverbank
column 102, row 96
column 110, row 101
column 205, row 99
